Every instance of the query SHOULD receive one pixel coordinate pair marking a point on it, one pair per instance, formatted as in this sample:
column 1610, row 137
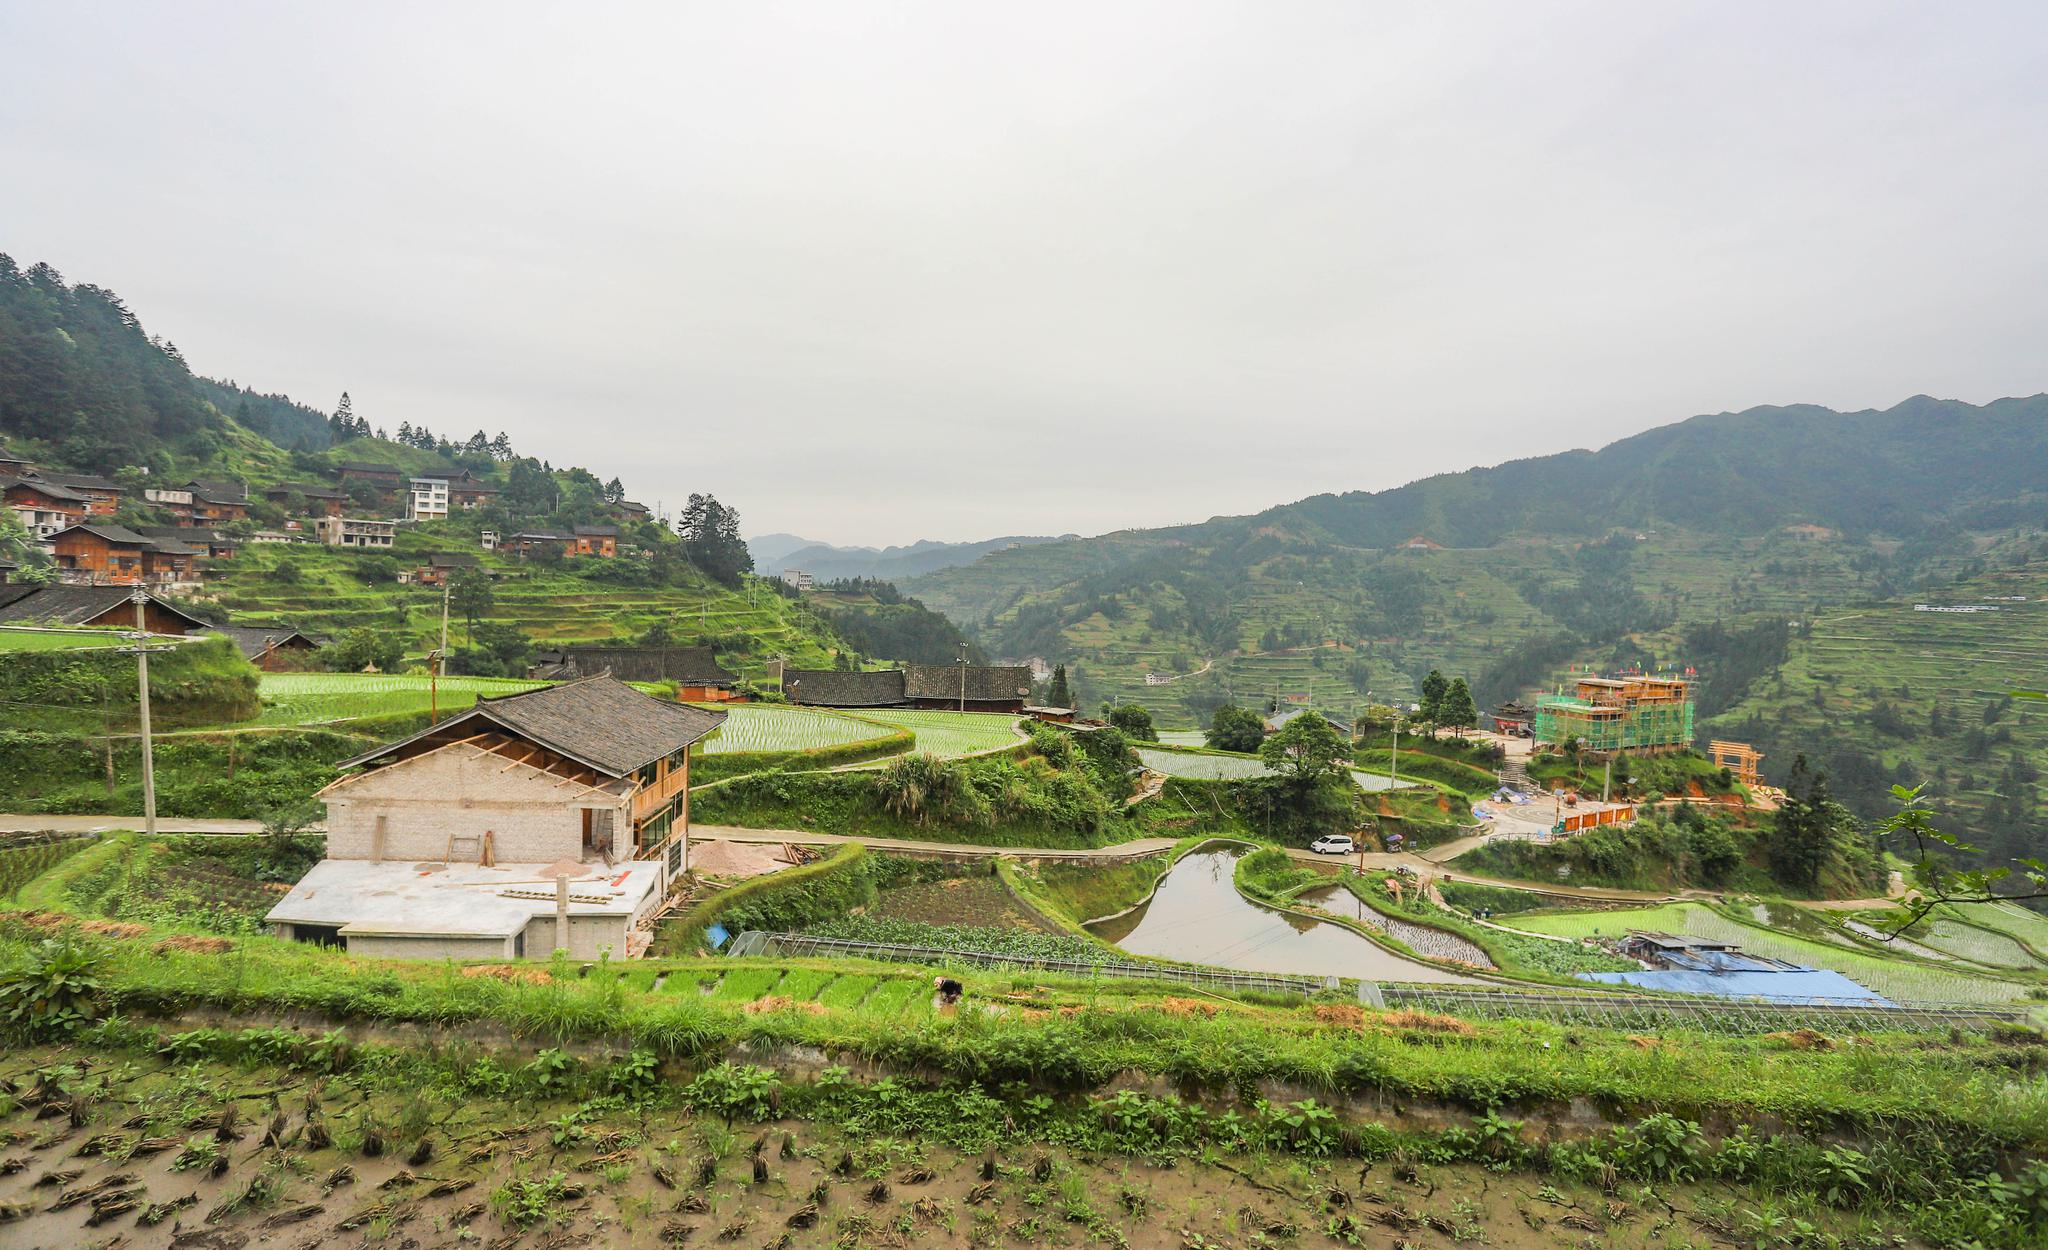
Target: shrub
column 54, row 993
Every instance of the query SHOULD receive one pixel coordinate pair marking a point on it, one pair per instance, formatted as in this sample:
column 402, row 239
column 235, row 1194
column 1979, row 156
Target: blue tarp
column 1791, row 985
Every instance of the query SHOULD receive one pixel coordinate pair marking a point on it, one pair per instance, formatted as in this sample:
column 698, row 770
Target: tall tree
column 1434, row 686
column 344, row 419
column 1306, row 749
column 711, row 539
column 1803, row 829
column 1058, row 693
column 1234, row 728
column 1456, row 709
column 469, row 593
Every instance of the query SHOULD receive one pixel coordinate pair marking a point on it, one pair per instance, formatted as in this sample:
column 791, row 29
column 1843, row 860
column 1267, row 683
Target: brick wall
column 465, row 791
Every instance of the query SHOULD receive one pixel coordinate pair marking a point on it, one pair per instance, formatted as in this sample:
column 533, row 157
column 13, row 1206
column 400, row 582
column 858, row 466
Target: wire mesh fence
column 1642, row 1013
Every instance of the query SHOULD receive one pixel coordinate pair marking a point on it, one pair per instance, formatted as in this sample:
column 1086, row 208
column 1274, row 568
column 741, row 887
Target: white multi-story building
column 797, row 578
column 341, row 531
column 427, row 500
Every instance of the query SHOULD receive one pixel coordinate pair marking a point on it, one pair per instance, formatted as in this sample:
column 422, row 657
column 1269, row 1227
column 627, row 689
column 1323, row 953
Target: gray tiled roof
column 831, row 688
column 986, row 683
column 78, row 481
column 254, row 640
column 598, row 721
column 305, row 489
column 72, row 605
column 691, row 666
column 52, row 489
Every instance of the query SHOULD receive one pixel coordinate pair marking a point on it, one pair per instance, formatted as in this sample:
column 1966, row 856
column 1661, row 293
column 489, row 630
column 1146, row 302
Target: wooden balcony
column 652, row 798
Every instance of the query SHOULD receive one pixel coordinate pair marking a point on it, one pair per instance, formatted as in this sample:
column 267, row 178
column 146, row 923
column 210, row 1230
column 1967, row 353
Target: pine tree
column 1434, row 686
column 1456, row 708
column 614, row 491
column 1058, row 694
column 405, row 433
column 344, row 420
column 501, row 447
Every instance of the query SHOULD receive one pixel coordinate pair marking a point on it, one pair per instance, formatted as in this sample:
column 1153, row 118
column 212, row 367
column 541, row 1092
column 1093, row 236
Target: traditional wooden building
column 436, row 569
column 381, row 476
column 91, row 606
column 1514, row 718
column 698, row 676
column 102, row 494
column 597, row 540
column 44, row 507
column 307, row 499
column 208, row 542
column 102, row 555
column 958, row 687
column 274, row 649
column 451, row 843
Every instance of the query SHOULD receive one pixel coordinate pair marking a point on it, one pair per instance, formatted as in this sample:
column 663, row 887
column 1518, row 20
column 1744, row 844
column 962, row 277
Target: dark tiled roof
column 597, row 531
column 831, row 688
column 187, row 534
column 1273, row 723
column 986, row 683
column 78, row 481
column 364, row 466
column 254, row 640
column 219, row 491
column 49, row 488
column 451, row 560
column 73, row 605
column 690, row 666
column 597, row 721
column 305, row 489
column 120, row 536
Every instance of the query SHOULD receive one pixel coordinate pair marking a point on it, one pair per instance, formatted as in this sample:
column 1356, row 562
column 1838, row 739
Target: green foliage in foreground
column 1965, row 1087
column 93, row 691
column 230, row 775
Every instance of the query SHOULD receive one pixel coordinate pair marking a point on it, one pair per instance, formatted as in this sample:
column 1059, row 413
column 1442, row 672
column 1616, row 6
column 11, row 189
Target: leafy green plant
column 525, row 1203
column 55, row 993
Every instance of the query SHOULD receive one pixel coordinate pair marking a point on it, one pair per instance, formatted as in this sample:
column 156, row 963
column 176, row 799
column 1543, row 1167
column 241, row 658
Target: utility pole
column 140, row 597
column 963, row 676
column 434, row 662
column 1394, row 756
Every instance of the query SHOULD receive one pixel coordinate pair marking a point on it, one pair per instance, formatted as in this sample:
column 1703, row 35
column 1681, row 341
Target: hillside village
column 531, row 842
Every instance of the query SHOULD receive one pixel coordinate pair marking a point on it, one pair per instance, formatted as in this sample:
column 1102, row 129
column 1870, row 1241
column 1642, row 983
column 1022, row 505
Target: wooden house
column 436, row 569
column 274, row 648
column 544, row 821
column 382, row 476
column 217, row 502
column 101, row 555
column 44, row 507
column 205, row 540
column 311, row 500
column 968, row 687
column 91, row 606
column 695, row 670
column 102, row 494
column 596, row 540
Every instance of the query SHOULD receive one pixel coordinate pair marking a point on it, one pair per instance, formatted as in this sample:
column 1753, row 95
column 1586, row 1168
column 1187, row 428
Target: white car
column 1332, row 844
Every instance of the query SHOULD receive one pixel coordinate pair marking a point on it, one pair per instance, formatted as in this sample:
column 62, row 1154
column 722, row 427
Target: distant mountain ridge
column 774, row 552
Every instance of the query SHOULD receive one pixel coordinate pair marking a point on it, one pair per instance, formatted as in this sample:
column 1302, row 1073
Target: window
column 318, row 934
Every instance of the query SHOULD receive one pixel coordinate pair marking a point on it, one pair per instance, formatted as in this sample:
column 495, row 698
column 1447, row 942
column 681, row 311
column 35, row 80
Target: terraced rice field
column 951, row 733
column 321, row 698
column 1897, row 979
column 2030, row 927
column 769, row 727
column 1231, row 767
column 1982, row 945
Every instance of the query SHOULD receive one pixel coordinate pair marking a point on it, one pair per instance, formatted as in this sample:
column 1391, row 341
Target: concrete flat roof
column 455, row 900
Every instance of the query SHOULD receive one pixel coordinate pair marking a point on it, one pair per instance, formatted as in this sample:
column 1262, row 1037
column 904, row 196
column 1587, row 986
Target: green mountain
column 1715, row 543
column 84, row 387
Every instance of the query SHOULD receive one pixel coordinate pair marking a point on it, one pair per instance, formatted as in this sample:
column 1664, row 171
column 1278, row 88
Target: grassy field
column 13, row 639
column 771, row 727
column 323, row 698
column 1895, row 978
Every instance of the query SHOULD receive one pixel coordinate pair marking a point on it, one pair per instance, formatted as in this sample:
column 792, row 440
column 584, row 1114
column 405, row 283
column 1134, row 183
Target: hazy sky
column 875, row 272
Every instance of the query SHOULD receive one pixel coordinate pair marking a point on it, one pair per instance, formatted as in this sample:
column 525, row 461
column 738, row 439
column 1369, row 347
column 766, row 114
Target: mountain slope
column 1523, row 566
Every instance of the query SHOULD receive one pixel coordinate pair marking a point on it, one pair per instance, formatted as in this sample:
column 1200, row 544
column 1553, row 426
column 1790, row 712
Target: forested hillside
column 85, row 387
column 1736, row 544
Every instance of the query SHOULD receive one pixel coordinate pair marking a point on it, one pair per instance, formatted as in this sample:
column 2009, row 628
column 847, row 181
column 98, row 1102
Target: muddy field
column 156, row 1151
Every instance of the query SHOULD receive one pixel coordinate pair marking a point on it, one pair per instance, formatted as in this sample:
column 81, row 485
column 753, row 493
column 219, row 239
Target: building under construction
column 1641, row 714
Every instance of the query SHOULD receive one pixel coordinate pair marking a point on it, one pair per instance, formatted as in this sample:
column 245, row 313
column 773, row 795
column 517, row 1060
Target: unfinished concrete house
column 547, row 820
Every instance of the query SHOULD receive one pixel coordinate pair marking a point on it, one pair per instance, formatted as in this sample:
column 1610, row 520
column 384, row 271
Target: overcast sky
column 877, row 272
